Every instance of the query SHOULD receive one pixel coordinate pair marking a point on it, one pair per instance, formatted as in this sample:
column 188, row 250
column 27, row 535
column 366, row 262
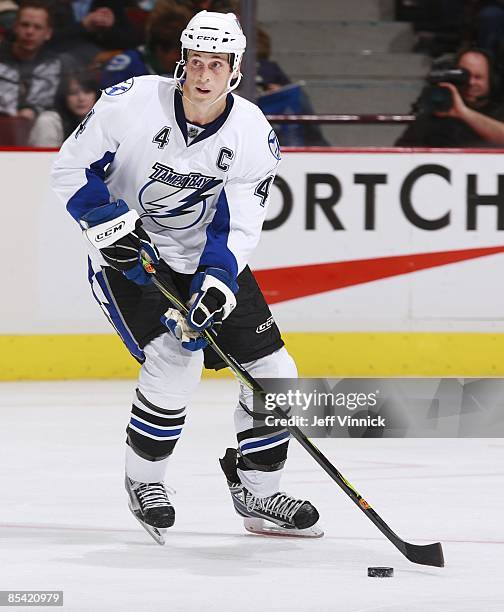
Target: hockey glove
column 117, row 233
column 212, row 298
column 179, row 327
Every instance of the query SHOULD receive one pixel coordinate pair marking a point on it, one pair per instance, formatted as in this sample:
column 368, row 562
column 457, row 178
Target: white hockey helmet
column 211, row 32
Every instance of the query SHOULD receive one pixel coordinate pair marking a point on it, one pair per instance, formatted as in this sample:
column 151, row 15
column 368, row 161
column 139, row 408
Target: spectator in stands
column 160, row 53
column 29, row 74
column 8, row 12
column 270, row 77
column 476, row 118
column 76, row 98
column 287, row 99
column 84, row 28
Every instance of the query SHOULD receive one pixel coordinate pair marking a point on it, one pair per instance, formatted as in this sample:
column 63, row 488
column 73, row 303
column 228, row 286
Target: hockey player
column 180, row 170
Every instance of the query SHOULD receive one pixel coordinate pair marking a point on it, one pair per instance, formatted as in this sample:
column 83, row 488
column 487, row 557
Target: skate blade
column 261, row 527
column 158, row 535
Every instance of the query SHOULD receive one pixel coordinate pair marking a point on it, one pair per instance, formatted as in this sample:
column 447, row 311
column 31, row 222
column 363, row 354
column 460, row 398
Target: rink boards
column 375, row 262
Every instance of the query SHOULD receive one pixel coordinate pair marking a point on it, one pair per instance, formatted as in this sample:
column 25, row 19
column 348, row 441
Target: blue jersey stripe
column 216, row 252
column 94, row 193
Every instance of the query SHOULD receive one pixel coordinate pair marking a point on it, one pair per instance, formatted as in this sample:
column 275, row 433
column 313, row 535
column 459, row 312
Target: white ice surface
column 64, row 522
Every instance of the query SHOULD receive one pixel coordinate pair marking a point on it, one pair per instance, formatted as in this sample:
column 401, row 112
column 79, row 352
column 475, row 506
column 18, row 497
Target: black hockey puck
column 380, row 572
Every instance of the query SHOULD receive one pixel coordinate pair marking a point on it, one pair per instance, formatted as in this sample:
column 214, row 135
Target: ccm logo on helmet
column 110, row 232
column 206, row 38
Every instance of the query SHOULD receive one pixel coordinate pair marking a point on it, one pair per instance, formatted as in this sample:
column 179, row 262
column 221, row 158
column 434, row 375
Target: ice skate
column 278, row 514
column 151, row 507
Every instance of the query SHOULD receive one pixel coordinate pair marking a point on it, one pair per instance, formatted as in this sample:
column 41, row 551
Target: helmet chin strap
column 180, row 65
column 229, row 87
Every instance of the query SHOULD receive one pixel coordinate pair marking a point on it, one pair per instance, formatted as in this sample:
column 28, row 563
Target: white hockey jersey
column 201, row 193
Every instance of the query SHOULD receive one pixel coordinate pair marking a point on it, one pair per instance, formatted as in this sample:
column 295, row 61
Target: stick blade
column 429, row 554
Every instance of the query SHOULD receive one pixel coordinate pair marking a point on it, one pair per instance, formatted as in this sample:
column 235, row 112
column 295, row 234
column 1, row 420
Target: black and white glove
column 116, row 231
column 212, row 298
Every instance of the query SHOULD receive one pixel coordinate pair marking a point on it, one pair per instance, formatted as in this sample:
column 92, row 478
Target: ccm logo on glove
column 104, row 232
column 117, row 232
column 110, row 232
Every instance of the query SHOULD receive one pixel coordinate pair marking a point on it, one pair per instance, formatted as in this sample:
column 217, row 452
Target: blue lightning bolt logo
column 158, row 201
column 200, row 195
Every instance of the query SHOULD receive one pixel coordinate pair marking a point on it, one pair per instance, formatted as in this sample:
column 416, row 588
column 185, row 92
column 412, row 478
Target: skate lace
column 279, row 504
column 153, row 495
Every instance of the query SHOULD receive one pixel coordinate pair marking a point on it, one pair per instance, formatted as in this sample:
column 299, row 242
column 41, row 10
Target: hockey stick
column 428, row 554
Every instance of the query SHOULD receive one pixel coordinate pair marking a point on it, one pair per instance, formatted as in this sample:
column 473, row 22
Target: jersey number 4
column 162, row 137
column 262, row 190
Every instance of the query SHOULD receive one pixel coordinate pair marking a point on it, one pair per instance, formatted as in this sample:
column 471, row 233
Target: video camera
column 435, row 98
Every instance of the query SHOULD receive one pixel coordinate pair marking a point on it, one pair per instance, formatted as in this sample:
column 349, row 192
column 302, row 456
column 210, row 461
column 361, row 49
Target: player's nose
column 205, row 73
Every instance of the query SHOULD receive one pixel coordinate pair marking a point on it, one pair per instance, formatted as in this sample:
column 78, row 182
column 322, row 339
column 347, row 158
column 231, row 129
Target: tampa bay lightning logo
column 120, row 88
column 274, row 145
column 176, row 201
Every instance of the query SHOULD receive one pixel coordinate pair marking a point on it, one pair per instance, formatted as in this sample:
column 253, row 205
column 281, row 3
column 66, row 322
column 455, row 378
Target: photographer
column 473, row 116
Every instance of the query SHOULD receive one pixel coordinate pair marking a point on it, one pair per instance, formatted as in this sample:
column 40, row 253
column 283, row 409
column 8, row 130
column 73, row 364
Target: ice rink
column 64, row 521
